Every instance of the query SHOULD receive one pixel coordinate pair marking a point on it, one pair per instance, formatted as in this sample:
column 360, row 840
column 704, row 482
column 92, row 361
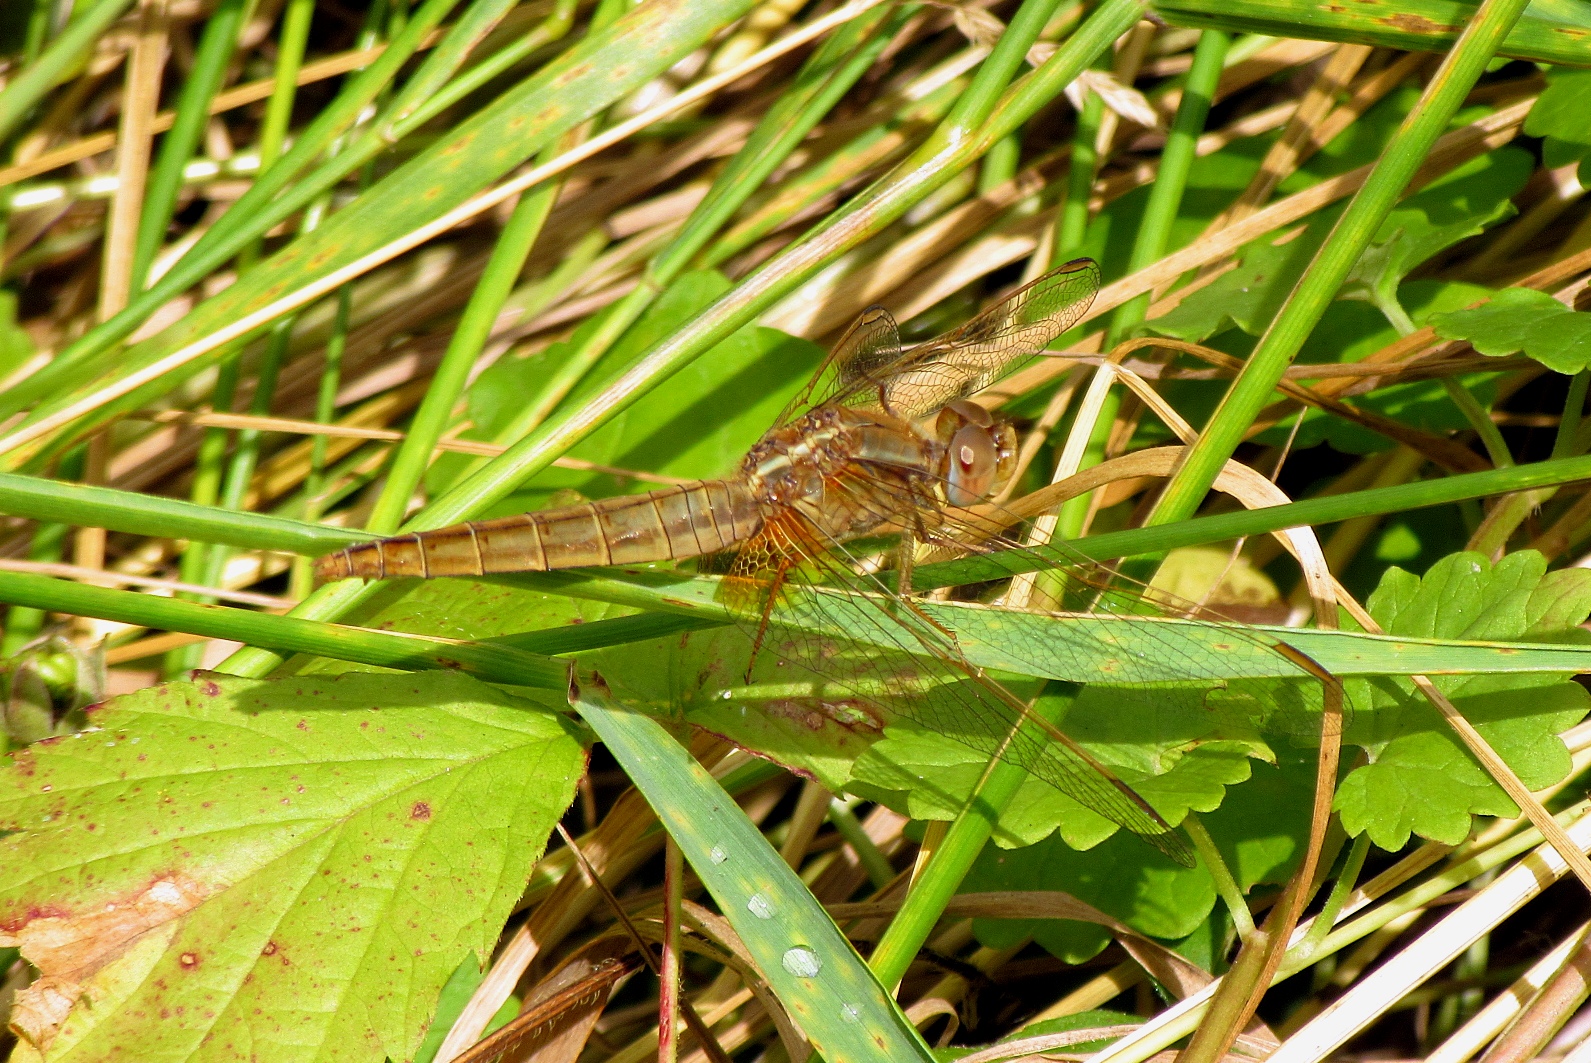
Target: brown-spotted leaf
column 233, row 869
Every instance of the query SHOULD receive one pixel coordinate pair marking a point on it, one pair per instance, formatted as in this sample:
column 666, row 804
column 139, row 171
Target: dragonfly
column 885, row 443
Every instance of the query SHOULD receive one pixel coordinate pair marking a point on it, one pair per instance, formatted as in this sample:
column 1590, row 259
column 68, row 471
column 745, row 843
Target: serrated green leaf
column 1421, row 780
column 1121, row 877
column 228, row 864
column 1522, row 319
column 1417, row 231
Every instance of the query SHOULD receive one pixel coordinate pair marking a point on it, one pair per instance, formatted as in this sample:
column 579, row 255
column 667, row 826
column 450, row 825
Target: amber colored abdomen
column 674, row 522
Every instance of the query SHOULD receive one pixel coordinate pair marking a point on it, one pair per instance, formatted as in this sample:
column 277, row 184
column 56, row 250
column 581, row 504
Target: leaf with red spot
column 290, row 869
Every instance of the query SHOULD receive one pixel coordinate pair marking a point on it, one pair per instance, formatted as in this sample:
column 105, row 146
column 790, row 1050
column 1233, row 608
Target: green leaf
column 702, row 677
column 1261, row 829
column 1421, row 780
column 1522, row 319
column 227, row 864
column 1459, row 205
column 1121, row 877
column 927, row 776
column 1559, row 117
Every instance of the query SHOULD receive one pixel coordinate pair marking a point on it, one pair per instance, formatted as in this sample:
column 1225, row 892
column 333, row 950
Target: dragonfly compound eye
column 973, row 459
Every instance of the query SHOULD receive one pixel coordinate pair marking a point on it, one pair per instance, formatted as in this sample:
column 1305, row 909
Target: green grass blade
column 496, row 663
column 128, row 511
column 1097, row 648
column 247, row 219
column 1559, row 35
column 806, row 960
column 203, row 81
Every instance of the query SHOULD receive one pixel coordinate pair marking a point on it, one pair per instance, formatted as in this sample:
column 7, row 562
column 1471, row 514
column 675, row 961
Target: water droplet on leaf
column 802, row 962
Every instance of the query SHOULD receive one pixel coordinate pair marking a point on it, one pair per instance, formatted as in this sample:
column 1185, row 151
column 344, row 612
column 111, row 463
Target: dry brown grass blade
column 657, row 965
column 140, row 98
column 1438, row 946
column 558, row 1017
column 1448, row 453
column 1530, row 1031
column 1495, row 1016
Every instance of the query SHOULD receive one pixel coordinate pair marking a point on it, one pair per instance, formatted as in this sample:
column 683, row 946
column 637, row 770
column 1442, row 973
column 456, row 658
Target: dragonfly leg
column 904, row 562
column 762, row 624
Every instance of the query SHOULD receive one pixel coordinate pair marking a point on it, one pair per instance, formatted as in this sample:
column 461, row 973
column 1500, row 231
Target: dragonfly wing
column 867, row 350
column 973, row 356
column 799, row 599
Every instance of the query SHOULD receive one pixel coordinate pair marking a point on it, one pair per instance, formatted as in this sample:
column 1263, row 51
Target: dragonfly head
column 980, row 452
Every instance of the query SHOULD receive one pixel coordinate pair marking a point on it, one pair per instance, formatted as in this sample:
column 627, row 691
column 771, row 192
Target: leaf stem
column 1225, row 884
column 1346, row 880
column 1480, row 421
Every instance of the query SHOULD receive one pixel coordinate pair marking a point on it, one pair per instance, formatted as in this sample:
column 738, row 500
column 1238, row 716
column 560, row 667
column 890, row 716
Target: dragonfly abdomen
column 670, row 523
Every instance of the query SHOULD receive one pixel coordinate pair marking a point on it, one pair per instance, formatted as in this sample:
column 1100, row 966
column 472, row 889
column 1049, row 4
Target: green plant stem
column 38, row 31
column 38, row 498
column 1000, row 165
column 979, row 119
column 56, row 63
column 210, row 60
column 24, row 623
column 954, row 856
column 496, row 663
column 879, row 871
column 326, row 401
column 1346, row 880
column 1071, row 221
column 1563, row 444
column 1509, row 513
column 290, row 45
column 1358, row 224
column 1480, row 420
column 1225, row 884
column 1152, row 240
